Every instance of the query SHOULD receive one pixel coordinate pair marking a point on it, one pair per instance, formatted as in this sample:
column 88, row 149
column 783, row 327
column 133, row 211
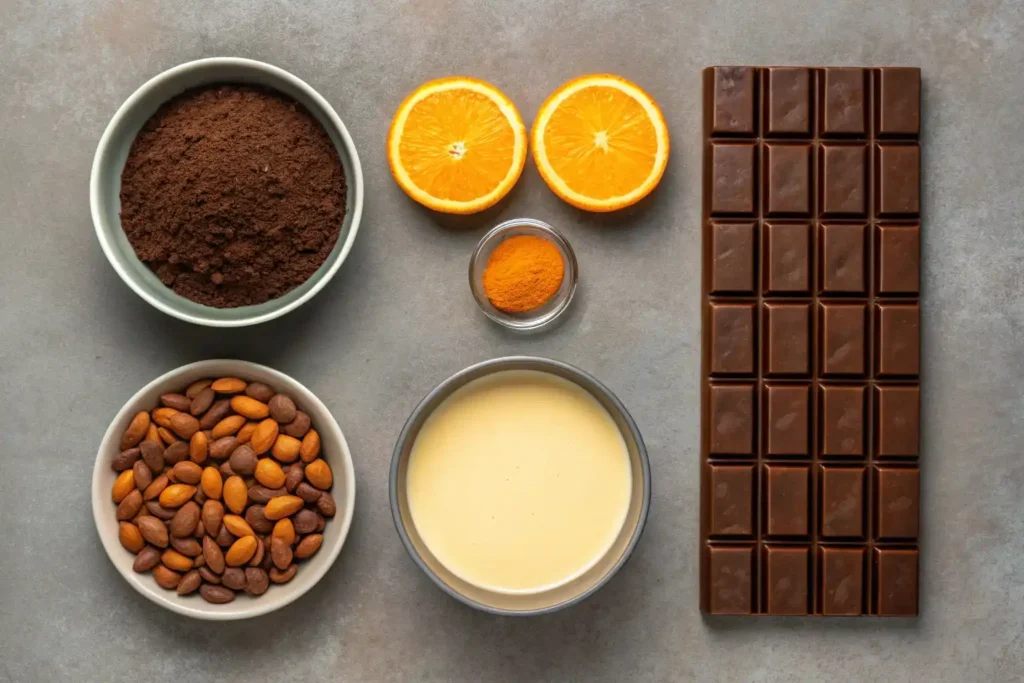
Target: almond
column 256, row 581
column 229, row 385
column 310, row 448
column 318, row 473
column 238, row 526
column 208, row 574
column 257, row 557
column 309, row 545
column 245, row 433
column 211, row 482
column 172, row 559
column 130, row 537
column 198, row 448
column 282, row 506
column 241, row 551
column 285, row 530
column 166, row 435
column 296, row 474
column 264, row 436
column 250, row 407
column 184, row 425
column 236, row 493
column 270, row 474
column 243, row 460
column 211, row 516
column 153, row 433
column 162, row 416
column 228, row 426
column 165, row 578
column 185, row 520
column 176, row 495
column 213, row 555
column 129, row 506
column 286, row 448
column 123, row 485
column 136, row 431
column 156, row 488
column 256, row 516
column 154, row 508
column 153, row 530
column 187, row 472
column 280, row 553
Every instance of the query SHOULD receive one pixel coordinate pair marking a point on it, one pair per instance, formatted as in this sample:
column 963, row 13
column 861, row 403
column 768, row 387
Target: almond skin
column 187, row 472
column 153, row 530
column 213, row 555
column 184, row 425
column 184, row 522
column 196, row 387
column 212, row 516
column 264, row 436
column 281, row 553
column 131, row 537
column 282, row 506
column 130, row 506
column 250, row 407
column 236, row 493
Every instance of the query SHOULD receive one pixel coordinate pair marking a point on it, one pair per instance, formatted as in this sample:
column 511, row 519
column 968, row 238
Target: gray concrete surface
column 75, row 343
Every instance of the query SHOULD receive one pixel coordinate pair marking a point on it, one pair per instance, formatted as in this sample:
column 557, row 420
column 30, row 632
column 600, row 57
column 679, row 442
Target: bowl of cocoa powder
column 226, row 192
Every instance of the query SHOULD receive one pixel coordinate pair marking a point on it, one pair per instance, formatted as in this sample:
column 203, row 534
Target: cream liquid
column 519, row 481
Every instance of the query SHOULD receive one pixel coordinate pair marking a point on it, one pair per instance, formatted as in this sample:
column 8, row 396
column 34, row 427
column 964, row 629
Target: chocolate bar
column 811, row 354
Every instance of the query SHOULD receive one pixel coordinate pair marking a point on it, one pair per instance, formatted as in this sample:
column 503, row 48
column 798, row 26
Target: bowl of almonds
column 223, row 490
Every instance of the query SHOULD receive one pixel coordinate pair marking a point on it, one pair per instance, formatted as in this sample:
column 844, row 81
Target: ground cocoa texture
column 232, row 195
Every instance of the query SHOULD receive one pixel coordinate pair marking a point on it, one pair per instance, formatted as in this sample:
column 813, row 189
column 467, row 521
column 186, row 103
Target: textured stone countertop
column 75, row 342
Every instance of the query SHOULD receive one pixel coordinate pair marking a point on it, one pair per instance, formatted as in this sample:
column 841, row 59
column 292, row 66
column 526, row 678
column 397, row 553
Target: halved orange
column 457, row 145
column 600, row 143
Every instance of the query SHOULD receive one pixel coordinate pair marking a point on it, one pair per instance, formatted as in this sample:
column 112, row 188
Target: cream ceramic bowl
column 105, row 186
column 334, row 450
column 562, row 595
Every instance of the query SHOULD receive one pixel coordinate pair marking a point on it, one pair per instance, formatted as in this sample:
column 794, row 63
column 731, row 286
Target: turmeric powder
column 523, row 273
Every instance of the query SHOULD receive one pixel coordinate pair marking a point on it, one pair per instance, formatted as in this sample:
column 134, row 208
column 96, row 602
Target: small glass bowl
column 555, row 306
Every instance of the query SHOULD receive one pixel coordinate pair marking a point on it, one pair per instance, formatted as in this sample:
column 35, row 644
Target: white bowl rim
column 263, row 605
column 132, row 101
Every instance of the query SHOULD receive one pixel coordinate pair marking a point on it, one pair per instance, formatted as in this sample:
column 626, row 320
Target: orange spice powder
column 523, row 273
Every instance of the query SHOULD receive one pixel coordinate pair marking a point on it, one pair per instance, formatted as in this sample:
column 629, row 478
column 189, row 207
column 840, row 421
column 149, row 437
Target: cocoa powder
column 232, row 195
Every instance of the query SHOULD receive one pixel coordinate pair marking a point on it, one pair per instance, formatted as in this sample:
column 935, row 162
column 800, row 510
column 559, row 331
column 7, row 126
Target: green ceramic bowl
column 105, row 186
